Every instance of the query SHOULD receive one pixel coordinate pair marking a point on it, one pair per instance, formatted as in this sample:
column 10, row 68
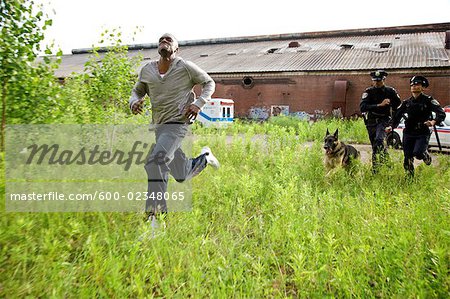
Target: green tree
column 100, row 94
column 29, row 90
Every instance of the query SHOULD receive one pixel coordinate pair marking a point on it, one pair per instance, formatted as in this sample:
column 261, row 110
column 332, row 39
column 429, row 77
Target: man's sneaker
column 210, row 158
column 427, row 159
column 154, row 227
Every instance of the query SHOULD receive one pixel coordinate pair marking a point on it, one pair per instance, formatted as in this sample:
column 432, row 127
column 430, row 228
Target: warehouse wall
column 316, row 93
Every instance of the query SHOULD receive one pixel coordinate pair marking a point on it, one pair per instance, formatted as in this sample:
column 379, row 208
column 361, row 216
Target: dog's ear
column 328, row 133
column 336, row 133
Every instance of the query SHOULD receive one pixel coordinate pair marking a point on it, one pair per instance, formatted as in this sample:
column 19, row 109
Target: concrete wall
column 316, row 93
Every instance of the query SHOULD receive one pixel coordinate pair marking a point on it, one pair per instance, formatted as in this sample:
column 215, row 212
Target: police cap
column 419, row 80
column 378, row 75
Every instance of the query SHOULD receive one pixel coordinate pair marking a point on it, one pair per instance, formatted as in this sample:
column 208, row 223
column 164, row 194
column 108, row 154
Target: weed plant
column 351, row 131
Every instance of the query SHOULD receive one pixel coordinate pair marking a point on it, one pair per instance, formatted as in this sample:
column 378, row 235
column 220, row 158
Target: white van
column 217, row 112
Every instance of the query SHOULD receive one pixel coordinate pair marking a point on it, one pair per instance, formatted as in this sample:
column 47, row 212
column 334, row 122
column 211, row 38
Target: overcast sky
column 78, row 24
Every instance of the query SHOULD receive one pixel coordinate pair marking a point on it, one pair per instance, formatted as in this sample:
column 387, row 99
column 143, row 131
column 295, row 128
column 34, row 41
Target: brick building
column 314, row 72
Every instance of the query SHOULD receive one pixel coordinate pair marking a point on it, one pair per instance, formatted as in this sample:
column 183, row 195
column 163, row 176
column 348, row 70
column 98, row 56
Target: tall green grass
column 268, row 223
column 351, row 131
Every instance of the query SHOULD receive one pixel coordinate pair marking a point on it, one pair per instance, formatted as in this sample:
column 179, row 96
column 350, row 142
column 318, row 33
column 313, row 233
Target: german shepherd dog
column 338, row 153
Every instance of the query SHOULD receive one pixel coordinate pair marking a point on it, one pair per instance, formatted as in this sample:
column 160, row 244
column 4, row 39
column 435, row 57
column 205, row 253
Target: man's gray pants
column 167, row 158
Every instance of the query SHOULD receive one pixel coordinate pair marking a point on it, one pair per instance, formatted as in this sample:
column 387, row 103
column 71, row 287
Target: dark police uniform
column 378, row 118
column 416, row 134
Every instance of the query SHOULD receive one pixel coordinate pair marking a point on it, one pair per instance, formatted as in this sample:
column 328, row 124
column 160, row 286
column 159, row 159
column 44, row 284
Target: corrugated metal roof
column 326, row 53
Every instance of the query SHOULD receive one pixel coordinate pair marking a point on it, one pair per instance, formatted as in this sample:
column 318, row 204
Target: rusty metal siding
column 316, row 52
column 422, row 50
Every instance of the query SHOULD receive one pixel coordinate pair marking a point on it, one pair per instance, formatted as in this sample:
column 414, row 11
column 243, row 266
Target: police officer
column 378, row 105
column 418, row 120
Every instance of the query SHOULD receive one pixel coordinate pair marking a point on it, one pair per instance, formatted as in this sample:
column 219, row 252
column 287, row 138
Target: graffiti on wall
column 279, row 110
column 302, row 115
column 337, row 113
column 259, row 113
column 263, row 113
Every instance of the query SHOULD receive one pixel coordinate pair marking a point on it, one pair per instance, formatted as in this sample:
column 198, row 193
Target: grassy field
column 266, row 224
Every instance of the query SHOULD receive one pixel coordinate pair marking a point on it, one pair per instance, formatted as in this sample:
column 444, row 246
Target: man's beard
column 165, row 52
